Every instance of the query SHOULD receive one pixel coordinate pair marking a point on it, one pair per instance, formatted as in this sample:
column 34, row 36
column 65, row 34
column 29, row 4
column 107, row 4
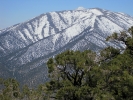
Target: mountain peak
column 80, row 8
column 26, row 47
column 96, row 11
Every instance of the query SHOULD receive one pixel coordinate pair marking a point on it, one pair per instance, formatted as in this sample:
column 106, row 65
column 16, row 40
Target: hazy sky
column 17, row 11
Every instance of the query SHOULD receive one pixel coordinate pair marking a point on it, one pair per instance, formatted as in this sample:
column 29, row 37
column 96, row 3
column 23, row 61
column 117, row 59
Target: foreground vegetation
column 76, row 75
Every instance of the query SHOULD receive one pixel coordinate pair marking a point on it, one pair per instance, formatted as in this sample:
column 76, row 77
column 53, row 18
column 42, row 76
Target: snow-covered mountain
column 26, row 47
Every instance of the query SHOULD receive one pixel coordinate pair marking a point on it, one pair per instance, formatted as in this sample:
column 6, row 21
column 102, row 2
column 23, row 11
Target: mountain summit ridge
column 26, row 47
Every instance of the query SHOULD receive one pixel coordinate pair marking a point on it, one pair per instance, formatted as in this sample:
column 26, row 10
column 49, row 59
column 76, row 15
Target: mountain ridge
column 26, row 47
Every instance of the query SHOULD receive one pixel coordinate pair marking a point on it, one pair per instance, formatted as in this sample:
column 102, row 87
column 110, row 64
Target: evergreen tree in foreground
column 76, row 75
column 68, row 73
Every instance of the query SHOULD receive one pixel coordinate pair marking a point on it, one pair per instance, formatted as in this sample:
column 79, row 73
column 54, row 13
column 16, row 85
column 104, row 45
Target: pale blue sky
column 17, row 11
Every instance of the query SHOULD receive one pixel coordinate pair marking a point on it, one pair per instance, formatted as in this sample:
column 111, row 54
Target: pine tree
column 68, row 71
